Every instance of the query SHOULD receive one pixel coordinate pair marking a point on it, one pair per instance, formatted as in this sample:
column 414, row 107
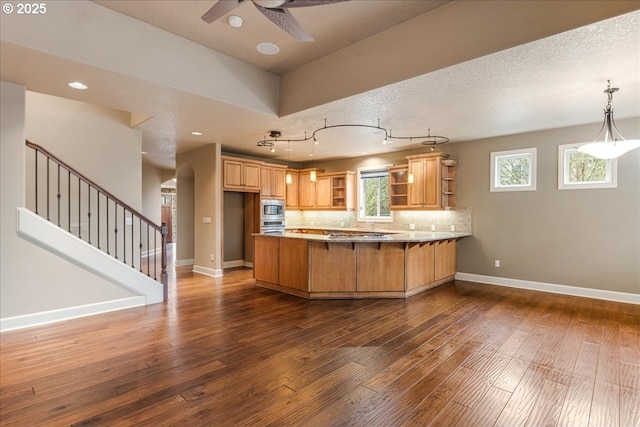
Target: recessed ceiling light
column 196, row 133
column 144, row 152
column 235, row 21
column 311, row 154
column 78, row 85
column 268, row 48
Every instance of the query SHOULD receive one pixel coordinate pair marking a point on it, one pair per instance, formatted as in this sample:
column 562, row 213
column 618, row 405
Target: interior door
column 166, row 218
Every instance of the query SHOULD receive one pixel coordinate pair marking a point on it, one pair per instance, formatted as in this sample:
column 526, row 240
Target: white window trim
column 532, row 152
column 360, row 218
column 612, row 172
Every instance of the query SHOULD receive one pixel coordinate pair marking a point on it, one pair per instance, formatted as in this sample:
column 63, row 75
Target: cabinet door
column 307, row 192
column 265, row 181
column 431, row 183
column 278, row 189
column 266, row 262
column 415, row 191
column 251, row 177
column 232, row 174
column 294, row 264
column 292, row 191
column 323, row 192
column 445, row 259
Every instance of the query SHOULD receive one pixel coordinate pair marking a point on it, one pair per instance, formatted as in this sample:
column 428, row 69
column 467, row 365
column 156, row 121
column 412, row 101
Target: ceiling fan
column 275, row 10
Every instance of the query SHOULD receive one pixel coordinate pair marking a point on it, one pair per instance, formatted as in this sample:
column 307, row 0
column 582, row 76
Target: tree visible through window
column 580, row 170
column 513, row 170
column 374, row 194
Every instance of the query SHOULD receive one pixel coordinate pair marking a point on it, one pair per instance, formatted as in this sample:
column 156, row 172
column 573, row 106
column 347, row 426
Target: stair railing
column 69, row 199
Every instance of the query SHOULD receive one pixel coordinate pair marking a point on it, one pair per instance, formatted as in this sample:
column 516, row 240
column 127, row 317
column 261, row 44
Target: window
column 578, row 170
column 373, row 194
column 513, row 170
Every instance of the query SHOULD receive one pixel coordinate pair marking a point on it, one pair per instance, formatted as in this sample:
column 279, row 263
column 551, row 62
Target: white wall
column 32, row 279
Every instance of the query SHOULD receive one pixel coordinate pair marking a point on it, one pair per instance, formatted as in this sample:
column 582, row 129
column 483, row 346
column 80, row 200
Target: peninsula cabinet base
column 316, row 267
column 353, row 295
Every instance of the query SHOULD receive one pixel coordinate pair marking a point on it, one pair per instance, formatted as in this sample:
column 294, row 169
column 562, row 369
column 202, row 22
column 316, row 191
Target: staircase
column 78, row 219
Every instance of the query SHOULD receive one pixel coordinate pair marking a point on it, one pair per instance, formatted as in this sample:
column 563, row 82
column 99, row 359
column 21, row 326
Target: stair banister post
column 164, row 230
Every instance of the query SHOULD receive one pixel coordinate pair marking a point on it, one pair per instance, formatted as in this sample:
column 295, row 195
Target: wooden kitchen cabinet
column 333, row 268
column 294, row 264
column 445, row 259
column 265, row 265
column 272, row 184
column 291, row 190
column 381, row 267
column 343, row 190
column 306, row 190
column 398, row 187
column 434, row 183
column 240, row 175
column 323, row 192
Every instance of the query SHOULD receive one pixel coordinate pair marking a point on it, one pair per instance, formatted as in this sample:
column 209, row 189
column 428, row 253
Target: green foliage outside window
column 376, row 193
column 582, row 167
column 514, row 171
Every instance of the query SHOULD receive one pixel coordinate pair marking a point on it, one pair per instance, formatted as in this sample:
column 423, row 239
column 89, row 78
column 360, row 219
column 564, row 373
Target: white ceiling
column 553, row 82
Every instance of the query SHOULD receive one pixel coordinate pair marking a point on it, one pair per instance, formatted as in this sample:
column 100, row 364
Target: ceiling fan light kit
column 609, row 143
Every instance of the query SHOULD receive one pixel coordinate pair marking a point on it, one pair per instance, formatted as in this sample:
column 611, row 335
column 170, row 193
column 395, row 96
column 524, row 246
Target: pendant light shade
column 288, row 179
column 312, row 176
column 410, row 179
column 609, row 144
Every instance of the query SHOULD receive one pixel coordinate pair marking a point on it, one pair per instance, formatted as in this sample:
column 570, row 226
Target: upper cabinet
column 433, row 184
column 241, row 175
column 334, row 191
column 272, row 181
column 291, row 190
column 398, row 187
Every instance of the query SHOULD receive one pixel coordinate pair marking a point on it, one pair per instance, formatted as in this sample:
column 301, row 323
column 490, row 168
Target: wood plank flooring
column 223, row 352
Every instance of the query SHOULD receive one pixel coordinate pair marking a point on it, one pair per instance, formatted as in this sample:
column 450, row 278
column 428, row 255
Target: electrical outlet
column 211, row 257
column 453, row 228
column 433, row 227
column 342, row 224
column 496, row 263
column 412, row 226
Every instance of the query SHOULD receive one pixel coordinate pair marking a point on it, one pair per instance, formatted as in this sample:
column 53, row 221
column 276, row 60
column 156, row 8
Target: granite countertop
column 367, row 235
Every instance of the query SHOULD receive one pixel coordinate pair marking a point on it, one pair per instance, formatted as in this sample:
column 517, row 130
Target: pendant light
column 612, row 144
column 410, row 177
column 312, row 174
column 288, row 178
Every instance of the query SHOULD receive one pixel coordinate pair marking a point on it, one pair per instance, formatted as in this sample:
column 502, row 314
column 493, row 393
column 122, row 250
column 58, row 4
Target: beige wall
column 583, row 238
column 185, row 215
column 32, row 279
column 151, row 192
column 207, row 240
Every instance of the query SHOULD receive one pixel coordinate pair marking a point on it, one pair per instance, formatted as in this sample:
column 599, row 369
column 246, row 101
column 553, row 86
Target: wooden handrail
column 93, row 184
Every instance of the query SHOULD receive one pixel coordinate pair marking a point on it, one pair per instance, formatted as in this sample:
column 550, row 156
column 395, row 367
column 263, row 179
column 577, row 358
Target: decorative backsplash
column 423, row 220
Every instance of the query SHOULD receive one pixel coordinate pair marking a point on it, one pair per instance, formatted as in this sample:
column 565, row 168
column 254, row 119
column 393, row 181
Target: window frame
column 360, row 195
column 522, row 152
column 563, row 182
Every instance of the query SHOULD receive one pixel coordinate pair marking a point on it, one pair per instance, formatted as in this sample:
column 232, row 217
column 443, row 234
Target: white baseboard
column 183, row 262
column 45, row 317
column 552, row 288
column 211, row 272
column 237, row 263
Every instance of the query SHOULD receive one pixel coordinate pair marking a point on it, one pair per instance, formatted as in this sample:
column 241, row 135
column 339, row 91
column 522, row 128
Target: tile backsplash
column 460, row 217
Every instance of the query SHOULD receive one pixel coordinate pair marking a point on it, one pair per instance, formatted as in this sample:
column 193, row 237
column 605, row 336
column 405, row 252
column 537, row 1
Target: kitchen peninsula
column 314, row 263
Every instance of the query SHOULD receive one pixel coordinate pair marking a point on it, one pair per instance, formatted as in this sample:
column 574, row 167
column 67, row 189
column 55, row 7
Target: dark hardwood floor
column 223, row 352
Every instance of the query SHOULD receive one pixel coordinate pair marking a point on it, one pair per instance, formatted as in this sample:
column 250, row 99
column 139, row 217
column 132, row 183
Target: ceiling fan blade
column 305, row 3
column 221, row 8
column 285, row 20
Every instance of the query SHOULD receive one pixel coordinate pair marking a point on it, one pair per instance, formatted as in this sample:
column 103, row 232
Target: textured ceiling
column 553, row 82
